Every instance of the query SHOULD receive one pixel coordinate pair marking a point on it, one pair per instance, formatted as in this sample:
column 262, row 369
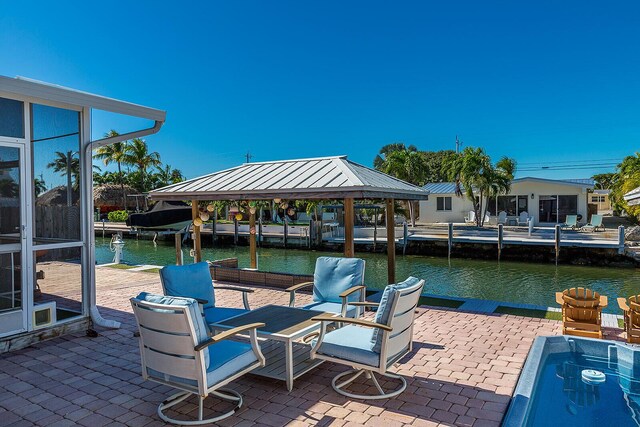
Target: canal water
column 505, row 281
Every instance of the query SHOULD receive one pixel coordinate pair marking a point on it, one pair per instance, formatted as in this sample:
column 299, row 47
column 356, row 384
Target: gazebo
column 309, row 179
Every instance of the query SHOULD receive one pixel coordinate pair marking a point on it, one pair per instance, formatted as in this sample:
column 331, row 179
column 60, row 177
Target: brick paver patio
column 462, row 371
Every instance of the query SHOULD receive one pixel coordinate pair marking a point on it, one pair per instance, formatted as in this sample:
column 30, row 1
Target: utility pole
column 248, row 156
column 458, row 144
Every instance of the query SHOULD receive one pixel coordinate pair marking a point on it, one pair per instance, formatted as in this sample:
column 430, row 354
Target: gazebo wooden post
column 252, row 237
column 391, row 242
column 197, row 248
column 349, row 213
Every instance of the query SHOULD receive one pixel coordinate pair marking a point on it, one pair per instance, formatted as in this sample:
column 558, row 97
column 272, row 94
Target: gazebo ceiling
column 317, row 178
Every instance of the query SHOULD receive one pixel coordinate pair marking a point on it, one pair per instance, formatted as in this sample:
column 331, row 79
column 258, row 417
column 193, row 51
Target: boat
column 164, row 215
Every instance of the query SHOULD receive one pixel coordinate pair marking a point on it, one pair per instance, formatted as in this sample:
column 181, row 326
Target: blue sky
column 549, row 83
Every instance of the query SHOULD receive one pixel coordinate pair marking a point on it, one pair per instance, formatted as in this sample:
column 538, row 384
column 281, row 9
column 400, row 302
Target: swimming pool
column 556, row 387
column 517, row 282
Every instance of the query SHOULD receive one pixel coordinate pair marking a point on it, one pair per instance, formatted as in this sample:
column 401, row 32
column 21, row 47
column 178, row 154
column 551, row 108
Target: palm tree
column 137, row 154
column 167, row 175
column 407, row 164
column 68, row 164
column 473, row 173
column 115, row 152
column 39, row 186
column 388, row 149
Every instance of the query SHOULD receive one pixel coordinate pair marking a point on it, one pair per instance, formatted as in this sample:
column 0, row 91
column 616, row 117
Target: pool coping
column 520, row 402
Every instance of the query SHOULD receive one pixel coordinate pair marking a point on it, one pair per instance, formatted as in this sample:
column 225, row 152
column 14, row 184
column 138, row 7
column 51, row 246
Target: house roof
column 633, row 197
column 602, row 192
column 22, row 86
column 450, row 187
column 441, row 187
column 316, row 178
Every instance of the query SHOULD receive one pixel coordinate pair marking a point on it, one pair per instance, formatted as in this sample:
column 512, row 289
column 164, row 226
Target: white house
column 547, row 201
column 47, row 241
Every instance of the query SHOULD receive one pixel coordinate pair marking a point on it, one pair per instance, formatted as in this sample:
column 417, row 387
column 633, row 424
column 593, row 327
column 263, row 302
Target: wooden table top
column 278, row 319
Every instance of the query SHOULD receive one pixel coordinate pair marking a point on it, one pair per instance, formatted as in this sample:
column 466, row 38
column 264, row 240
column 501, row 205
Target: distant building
column 547, row 201
column 601, row 199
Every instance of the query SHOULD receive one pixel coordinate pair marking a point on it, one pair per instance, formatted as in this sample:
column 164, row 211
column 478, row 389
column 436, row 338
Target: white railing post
column 621, row 239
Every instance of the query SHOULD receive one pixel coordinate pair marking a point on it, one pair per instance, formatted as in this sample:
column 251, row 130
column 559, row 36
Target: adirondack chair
column 631, row 308
column 523, row 219
column 571, row 222
column 502, row 217
column 594, row 224
column 581, row 312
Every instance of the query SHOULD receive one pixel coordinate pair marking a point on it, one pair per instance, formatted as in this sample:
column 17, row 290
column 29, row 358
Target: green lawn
column 440, row 302
column 525, row 312
column 121, row 266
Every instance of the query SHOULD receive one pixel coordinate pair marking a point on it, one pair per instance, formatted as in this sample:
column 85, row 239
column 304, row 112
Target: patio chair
column 371, row 347
column 471, row 218
column 631, row 308
column 581, row 312
column 523, row 219
column 194, row 281
column 571, row 222
column 176, row 351
column 337, row 283
column 502, row 217
column 594, row 224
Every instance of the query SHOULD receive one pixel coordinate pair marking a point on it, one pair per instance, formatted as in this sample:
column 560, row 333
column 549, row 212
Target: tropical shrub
column 118, row 216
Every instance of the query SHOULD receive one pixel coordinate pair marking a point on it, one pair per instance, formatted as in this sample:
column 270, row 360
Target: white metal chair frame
column 368, row 370
column 186, row 346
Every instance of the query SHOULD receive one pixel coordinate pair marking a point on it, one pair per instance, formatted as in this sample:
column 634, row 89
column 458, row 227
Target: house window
column 512, row 205
column 11, row 118
column 597, row 199
column 443, row 203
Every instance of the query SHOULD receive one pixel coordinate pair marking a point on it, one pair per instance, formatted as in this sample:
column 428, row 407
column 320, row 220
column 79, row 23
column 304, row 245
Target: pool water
column 518, row 282
column 562, row 398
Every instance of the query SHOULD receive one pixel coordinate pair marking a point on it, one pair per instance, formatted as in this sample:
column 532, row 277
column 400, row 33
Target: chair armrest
column 622, row 303
column 352, row 290
column 604, row 301
column 234, row 288
column 227, row 334
column 292, row 292
column 365, row 304
column 359, row 322
column 559, row 299
column 298, row 286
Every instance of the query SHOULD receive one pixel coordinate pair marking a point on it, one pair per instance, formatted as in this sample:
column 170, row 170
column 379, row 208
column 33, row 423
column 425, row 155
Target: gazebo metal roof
column 317, row 178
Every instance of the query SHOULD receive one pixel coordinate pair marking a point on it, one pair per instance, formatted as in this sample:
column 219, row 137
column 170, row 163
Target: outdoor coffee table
column 286, row 357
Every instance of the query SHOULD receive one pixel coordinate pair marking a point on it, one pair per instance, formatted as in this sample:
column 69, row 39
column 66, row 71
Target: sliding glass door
column 12, row 239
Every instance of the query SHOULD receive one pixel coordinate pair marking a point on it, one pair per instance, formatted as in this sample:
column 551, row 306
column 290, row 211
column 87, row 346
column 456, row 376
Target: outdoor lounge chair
column 176, row 351
column 594, row 224
column 571, row 222
column 194, row 281
column 337, row 282
column 523, row 219
column 581, row 312
column 471, row 218
column 631, row 308
column 372, row 346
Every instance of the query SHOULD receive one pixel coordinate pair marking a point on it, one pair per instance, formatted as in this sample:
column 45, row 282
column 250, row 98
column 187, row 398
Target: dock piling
column 450, row 238
column 621, row 239
column 405, row 237
column 500, row 239
column 235, row 231
column 557, row 241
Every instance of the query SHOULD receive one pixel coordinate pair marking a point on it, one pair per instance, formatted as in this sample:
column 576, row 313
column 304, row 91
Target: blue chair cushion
column 331, row 307
column 216, row 314
column 351, row 343
column 191, row 281
column 334, row 275
column 227, row 359
column 200, row 328
column 383, row 315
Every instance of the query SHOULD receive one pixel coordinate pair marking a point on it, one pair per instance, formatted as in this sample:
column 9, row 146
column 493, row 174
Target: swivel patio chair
column 631, row 308
column 581, row 312
column 176, row 351
column 372, row 347
column 194, row 281
column 471, row 218
column 338, row 286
